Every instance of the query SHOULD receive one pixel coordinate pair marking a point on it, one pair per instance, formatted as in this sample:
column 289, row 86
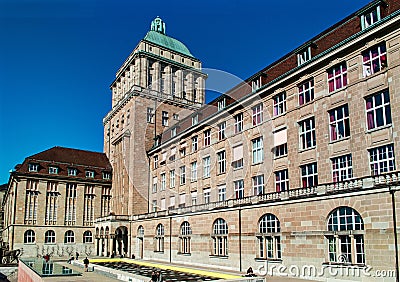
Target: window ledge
column 159, row 252
column 280, row 157
column 341, row 264
column 256, row 164
column 184, row 254
column 369, row 131
column 280, row 115
column 338, row 90
column 339, row 140
column 307, row 149
column 220, row 257
column 268, row 259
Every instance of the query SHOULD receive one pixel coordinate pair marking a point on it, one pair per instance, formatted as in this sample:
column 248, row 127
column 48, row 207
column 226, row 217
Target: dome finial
column 158, row 25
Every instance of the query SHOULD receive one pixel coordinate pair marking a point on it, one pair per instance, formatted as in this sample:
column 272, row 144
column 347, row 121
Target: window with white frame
column 193, row 195
column 304, row 56
column 184, row 238
column 280, row 142
column 150, row 115
column 159, row 238
column 29, row 237
column 221, row 157
column 374, row 59
column 378, row 110
column 345, row 236
column 239, row 189
column 175, row 116
column 370, row 17
column 279, row 104
column 31, row 201
column 182, row 178
column 309, row 175
column 53, row 170
column 257, row 114
column 51, row 203
column 33, row 167
column 69, row 237
column 50, row 237
column 207, row 195
column 207, row 137
column 221, row 130
column 269, row 237
column 171, row 202
column 339, row 123
column 194, row 171
column 307, row 133
column 195, row 143
column 154, row 205
column 282, row 180
column 164, row 118
column 257, row 150
column 154, row 189
column 106, row 175
column 89, row 174
column 105, row 201
column 206, row 166
column 381, row 159
column 87, row 237
column 222, row 193
column 173, row 132
column 163, row 181
column 306, row 92
column 70, row 204
column 172, row 178
column 221, row 104
column 155, row 161
column 162, row 204
column 342, row 168
column 182, row 200
column 258, row 184
column 220, row 238
column 337, row 77
column 238, row 123
column 256, row 84
column 237, row 162
column 195, row 119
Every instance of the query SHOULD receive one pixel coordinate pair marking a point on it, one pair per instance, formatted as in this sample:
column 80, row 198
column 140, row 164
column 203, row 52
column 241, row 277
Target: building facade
column 295, row 169
column 52, row 200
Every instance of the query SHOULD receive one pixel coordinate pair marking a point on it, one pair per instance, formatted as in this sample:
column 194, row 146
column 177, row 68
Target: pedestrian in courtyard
column 153, row 276
column 86, row 263
column 77, row 255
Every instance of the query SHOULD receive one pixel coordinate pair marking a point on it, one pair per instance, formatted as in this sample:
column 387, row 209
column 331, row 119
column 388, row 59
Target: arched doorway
column 121, row 241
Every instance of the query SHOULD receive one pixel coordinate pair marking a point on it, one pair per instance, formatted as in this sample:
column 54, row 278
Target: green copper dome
column 157, row 36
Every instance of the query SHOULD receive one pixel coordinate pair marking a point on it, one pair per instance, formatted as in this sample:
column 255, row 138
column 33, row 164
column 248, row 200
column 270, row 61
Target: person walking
column 86, row 263
column 77, row 255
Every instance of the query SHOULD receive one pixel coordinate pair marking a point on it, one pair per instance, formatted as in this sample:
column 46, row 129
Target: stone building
column 52, row 200
column 296, row 167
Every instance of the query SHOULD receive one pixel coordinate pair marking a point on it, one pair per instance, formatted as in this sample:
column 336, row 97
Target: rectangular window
column 173, row 132
column 164, row 118
column 306, row 92
column 307, row 133
column 70, row 204
column 88, row 209
column 221, row 104
column 163, row 181
column 106, row 175
column 304, row 56
column 221, row 130
column 374, row 60
column 239, row 189
column 89, row 174
column 207, row 195
column 175, row 116
column 155, row 180
column 280, row 142
column 280, row 150
column 194, row 143
column 339, row 123
column 33, row 167
column 171, row 202
column 309, row 175
column 150, row 115
column 155, row 161
column 194, row 171
column 195, row 119
column 31, row 201
column 257, row 114
column 222, row 193
column 342, row 168
column 238, row 123
column 282, row 180
column 172, row 178
column 221, row 156
column 182, row 178
column 279, row 104
column 182, row 200
column 237, row 157
column 255, row 84
column 154, row 205
column 162, row 204
column 257, row 150
column 194, row 198
column 337, row 77
column 258, row 184
column 378, row 110
column 53, row 170
column 381, row 159
column 51, row 203
column 206, row 166
column 207, row 137
column 105, row 201
column 370, row 17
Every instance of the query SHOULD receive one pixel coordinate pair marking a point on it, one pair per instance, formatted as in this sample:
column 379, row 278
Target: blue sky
column 58, row 57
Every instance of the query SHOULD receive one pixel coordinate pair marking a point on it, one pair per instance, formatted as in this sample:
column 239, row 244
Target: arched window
column 107, row 232
column 220, row 238
column 97, row 232
column 29, row 237
column 269, row 237
column 140, row 232
column 87, row 237
column 69, row 237
column 184, row 237
column 346, row 236
column 159, row 238
column 49, row 237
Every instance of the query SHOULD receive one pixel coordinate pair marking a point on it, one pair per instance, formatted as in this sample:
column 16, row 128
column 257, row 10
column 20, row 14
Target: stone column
column 112, row 243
